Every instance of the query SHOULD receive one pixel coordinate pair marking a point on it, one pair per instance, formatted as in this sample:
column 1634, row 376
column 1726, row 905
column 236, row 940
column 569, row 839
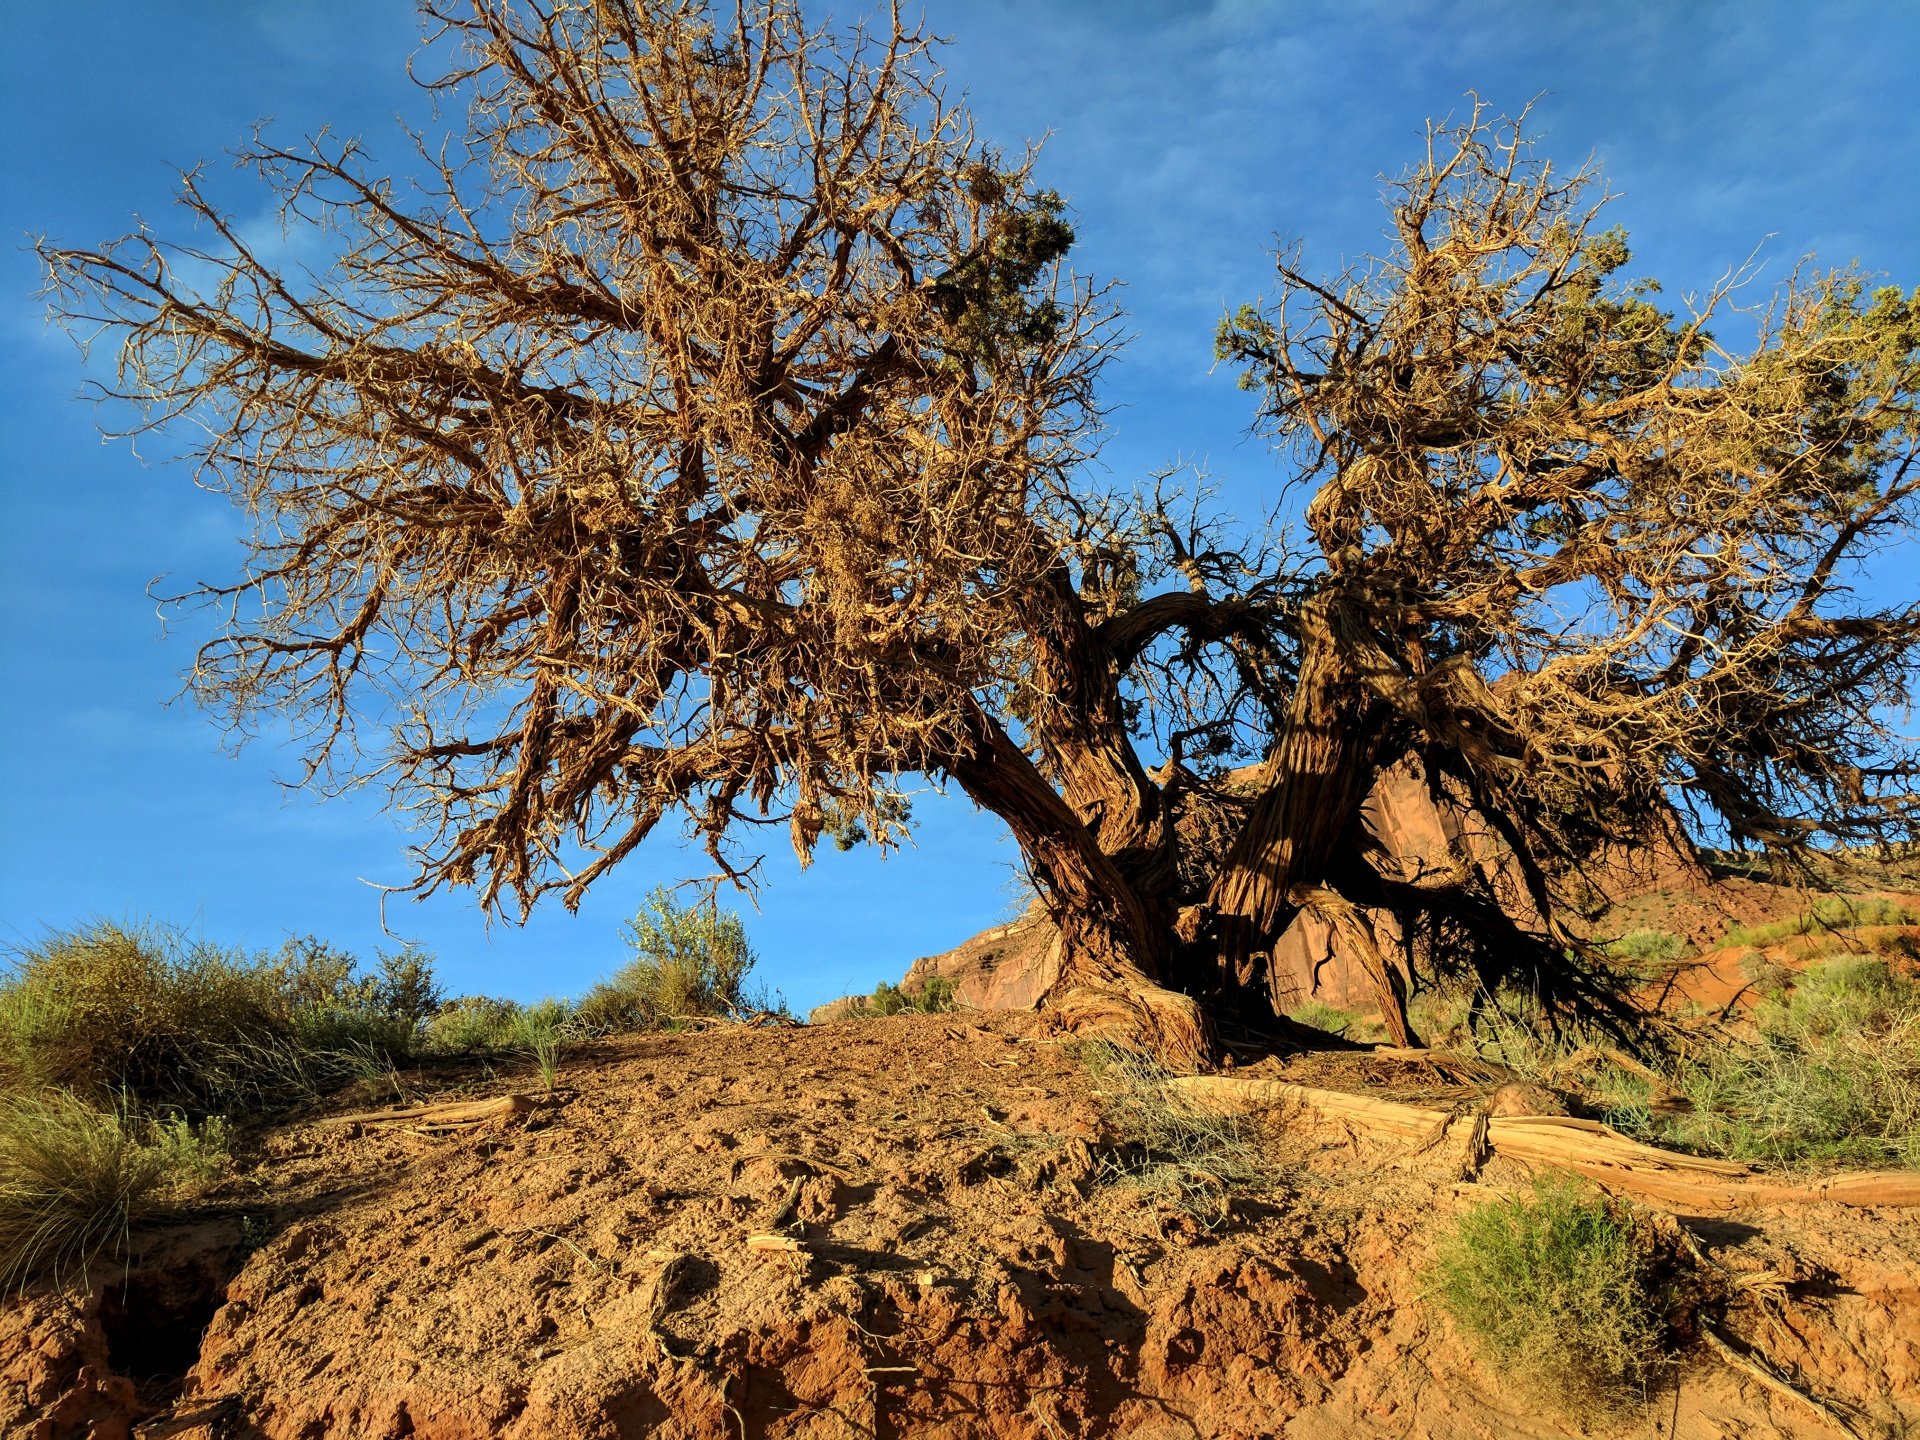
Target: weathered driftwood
column 450, row 1112
column 1690, row 1183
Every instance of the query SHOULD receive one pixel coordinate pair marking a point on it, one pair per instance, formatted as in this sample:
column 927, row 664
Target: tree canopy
column 704, row 435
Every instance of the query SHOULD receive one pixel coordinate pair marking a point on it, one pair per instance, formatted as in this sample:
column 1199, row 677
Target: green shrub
column 74, row 1177
column 386, row 1039
column 1557, row 1290
column 1322, row 1016
column 107, row 1009
column 192, row 1158
column 688, row 961
column 1831, row 1072
column 1442, row 1014
column 472, row 1024
column 332, row 1007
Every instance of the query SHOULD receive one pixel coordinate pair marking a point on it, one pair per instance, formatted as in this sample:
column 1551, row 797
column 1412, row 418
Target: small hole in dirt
column 155, row 1323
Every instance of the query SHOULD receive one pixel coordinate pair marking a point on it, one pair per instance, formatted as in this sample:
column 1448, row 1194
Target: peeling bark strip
column 704, row 438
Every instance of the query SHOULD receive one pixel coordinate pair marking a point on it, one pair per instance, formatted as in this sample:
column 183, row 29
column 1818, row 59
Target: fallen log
column 1689, row 1183
column 1563, row 1140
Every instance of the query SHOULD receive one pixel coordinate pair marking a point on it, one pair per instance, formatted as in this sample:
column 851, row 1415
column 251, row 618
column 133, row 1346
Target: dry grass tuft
column 74, row 1177
column 1169, row 1149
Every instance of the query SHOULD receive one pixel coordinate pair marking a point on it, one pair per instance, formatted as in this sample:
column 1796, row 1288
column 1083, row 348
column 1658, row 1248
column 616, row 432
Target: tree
column 704, row 436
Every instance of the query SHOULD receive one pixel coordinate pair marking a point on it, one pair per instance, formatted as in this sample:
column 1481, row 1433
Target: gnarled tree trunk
column 1115, row 936
column 1312, row 787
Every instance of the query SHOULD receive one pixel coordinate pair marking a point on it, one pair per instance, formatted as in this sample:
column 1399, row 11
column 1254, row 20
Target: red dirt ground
column 968, row 1263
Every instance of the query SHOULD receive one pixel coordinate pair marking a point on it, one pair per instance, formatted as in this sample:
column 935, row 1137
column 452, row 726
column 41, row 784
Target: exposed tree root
column 1691, row 1184
column 1756, row 1366
column 452, row 1112
column 1165, row 1024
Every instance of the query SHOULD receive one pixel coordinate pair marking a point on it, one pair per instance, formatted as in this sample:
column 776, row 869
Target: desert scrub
column 1166, row 1147
column 1322, row 1016
column 472, row 1025
column 1557, row 1289
column 108, row 1009
column 688, row 961
column 1830, row 913
column 331, row 1005
column 1833, row 1073
column 74, row 1177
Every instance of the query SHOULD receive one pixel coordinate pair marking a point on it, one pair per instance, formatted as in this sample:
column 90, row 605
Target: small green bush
column 1442, row 1014
column 109, row 1009
column 688, row 961
column 470, row 1025
column 74, row 1177
column 332, row 1007
column 1557, row 1290
column 1322, row 1016
column 1767, row 975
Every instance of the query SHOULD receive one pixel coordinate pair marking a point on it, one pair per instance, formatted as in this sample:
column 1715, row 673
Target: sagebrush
column 689, row 961
column 1557, row 1290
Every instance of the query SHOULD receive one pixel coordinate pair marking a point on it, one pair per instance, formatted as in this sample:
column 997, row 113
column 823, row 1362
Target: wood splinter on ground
column 774, row 1242
column 1757, row 1367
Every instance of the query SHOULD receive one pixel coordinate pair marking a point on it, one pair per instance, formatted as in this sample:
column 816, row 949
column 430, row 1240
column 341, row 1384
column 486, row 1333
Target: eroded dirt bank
column 963, row 1264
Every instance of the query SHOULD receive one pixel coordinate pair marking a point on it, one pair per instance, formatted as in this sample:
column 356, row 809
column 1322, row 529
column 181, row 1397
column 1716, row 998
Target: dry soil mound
column 951, row 1254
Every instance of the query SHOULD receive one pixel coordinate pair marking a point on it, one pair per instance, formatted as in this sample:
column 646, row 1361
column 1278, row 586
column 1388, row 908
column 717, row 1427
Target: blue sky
column 1187, row 135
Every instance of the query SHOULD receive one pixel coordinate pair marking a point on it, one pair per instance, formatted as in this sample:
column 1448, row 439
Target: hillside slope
column 966, row 1244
